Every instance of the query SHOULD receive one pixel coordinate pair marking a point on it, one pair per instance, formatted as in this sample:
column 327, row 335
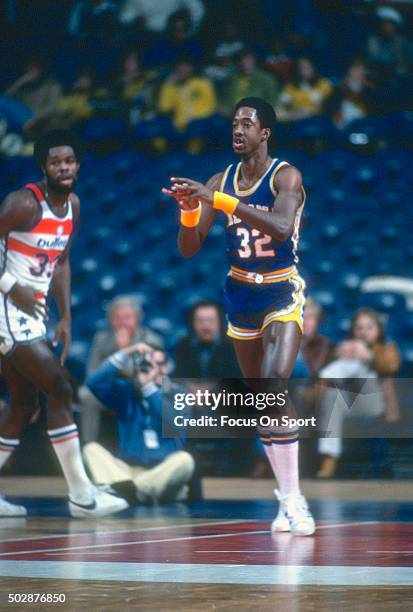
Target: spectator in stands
column 249, row 80
column 39, row 93
column 187, row 97
column 304, row 95
column 129, row 382
column 93, row 19
column 175, row 43
column 136, row 87
column 125, row 328
column 315, row 351
column 353, row 97
column 278, row 61
column 224, row 56
column 156, row 13
column 205, row 352
column 365, row 355
column 76, row 106
column 389, row 51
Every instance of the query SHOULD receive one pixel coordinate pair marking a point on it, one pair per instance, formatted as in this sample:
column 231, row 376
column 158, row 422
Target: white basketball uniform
column 31, row 257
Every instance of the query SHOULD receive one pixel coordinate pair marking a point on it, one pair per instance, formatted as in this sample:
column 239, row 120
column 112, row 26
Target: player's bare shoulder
column 18, row 210
column 288, row 177
column 214, row 183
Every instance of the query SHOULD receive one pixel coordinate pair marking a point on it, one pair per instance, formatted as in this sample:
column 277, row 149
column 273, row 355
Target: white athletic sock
column 7, row 446
column 284, row 462
column 65, row 441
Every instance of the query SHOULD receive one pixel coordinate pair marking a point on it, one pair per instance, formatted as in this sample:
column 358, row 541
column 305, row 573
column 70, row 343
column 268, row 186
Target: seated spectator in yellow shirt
column 304, row 95
column 185, row 96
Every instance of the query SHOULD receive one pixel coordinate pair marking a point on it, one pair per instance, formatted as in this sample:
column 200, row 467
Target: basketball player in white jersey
column 36, row 227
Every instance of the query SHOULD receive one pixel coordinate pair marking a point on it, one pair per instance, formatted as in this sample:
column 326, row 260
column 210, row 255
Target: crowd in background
column 206, row 353
column 186, row 61
column 174, row 67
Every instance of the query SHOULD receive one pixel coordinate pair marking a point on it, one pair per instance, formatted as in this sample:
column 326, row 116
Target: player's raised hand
column 182, row 196
column 63, row 333
column 182, row 186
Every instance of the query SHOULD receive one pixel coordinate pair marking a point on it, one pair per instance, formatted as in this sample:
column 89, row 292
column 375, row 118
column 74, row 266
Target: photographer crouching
column 147, row 467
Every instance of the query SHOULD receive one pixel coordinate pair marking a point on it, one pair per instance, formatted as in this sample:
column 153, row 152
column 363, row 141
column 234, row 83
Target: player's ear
column 266, row 134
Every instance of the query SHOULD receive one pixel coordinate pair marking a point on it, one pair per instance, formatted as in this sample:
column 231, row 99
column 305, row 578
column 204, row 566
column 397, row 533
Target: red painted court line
column 365, row 544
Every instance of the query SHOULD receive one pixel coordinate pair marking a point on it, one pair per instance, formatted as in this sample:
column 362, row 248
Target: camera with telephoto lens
column 142, row 362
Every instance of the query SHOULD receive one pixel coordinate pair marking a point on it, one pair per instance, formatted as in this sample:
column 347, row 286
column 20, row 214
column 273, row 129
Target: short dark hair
column 265, row 112
column 204, row 304
column 56, row 138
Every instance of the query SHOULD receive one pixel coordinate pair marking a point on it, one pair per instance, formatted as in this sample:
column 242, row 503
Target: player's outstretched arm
column 190, row 239
column 61, row 284
column 19, row 211
column 278, row 223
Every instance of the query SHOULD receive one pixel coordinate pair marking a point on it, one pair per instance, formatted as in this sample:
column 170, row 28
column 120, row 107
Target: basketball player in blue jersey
column 36, row 228
column 263, row 199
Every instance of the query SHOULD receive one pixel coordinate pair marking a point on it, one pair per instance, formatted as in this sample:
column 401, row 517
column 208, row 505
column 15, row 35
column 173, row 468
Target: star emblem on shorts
column 2, row 340
column 27, row 332
column 22, row 321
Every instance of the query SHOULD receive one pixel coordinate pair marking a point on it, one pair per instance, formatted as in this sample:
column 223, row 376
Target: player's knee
column 61, row 389
column 274, row 370
column 15, row 426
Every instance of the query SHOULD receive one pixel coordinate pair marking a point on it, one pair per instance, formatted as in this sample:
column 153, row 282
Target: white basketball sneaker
column 293, row 515
column 103, row 504
column 8, row 509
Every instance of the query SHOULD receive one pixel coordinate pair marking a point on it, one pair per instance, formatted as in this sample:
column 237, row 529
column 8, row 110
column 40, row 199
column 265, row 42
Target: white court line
column 184, row 526
column 203, row 573
column 353, row 524
column 131, row 530
column 391, row 552
column 215, row 552
column 165, row 540
column 136, row 542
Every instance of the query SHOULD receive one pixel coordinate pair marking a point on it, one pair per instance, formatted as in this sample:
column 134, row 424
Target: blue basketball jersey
column 248, row 248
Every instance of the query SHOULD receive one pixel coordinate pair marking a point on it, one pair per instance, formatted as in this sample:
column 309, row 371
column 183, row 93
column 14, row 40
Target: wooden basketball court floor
column 216, row 554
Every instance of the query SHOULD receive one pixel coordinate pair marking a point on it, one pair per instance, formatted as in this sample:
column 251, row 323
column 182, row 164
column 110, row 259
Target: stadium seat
column 368, row 132
column 314, row 131
column 386, row 302
column 106, row 131
column 159, row 127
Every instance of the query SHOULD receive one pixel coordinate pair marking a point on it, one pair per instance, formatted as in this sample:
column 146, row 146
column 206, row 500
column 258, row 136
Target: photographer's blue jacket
column 134, row 414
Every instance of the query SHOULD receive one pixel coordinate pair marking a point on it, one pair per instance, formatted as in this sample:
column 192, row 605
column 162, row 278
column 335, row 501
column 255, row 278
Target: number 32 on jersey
column 253, row 243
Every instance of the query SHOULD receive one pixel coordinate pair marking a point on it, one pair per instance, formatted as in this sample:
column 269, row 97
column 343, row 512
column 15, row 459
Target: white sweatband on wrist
column 7, row 281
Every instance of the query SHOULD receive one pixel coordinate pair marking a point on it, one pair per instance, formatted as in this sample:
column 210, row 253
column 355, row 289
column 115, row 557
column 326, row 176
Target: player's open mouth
column 66, row 179
column 238, row 143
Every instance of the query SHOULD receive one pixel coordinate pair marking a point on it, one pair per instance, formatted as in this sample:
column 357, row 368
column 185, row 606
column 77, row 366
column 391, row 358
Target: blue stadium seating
column 354, row 224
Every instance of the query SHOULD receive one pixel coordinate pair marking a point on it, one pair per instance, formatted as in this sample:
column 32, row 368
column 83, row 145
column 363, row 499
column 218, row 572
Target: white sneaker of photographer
column 8, row 509
column 103, row 504
column 293, row 515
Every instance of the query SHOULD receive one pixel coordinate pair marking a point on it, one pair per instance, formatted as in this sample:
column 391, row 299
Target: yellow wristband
column 190, row 218
column 225, row 202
